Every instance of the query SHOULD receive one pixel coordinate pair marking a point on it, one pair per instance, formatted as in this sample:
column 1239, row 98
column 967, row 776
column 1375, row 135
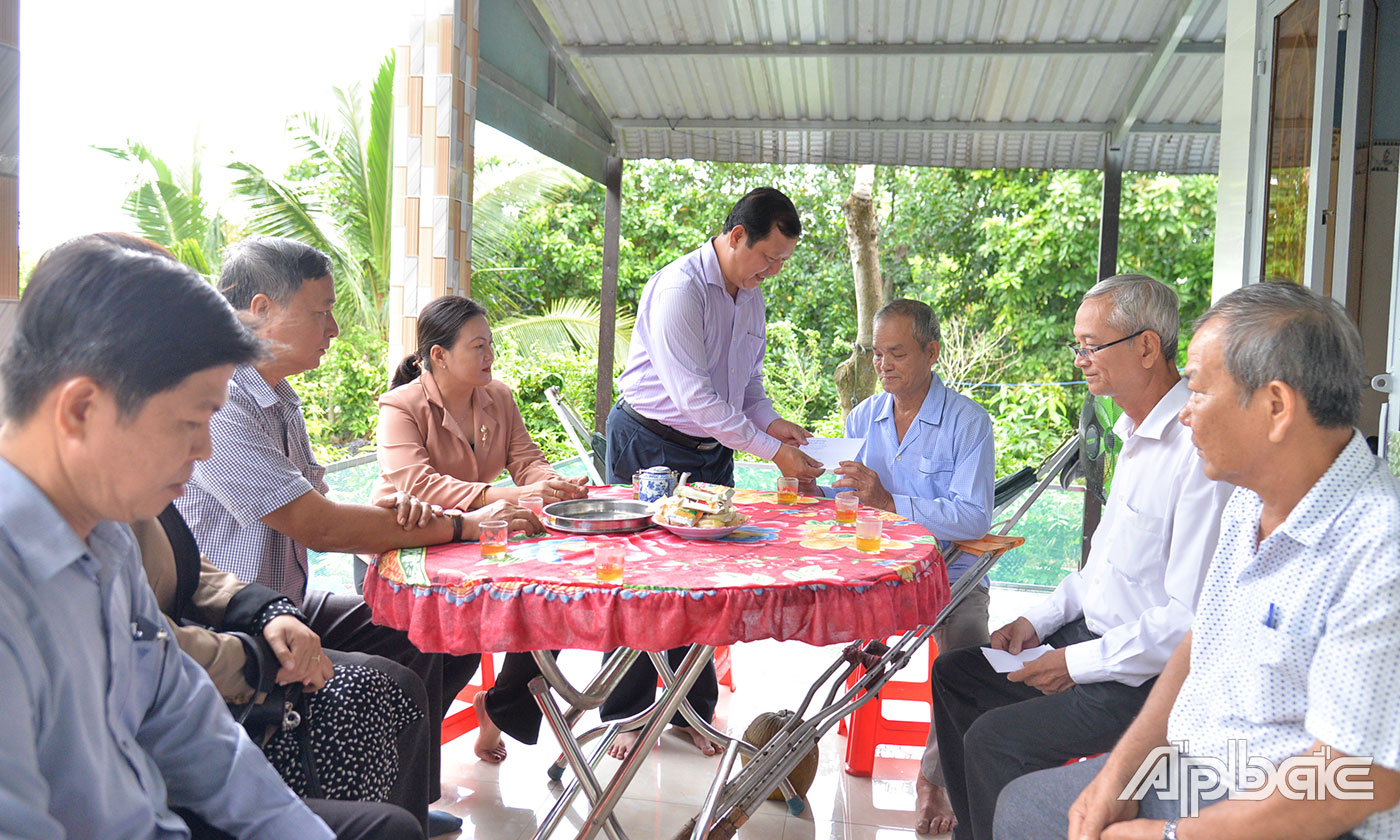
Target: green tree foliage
column 1009, row 253
column 169, row 207
column 530, row 373
column 341, row 397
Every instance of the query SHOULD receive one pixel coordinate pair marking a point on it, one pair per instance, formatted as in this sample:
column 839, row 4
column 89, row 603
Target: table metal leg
column 663, row 667
column 561, row 805
column 671, row 698
column 583, row 771
column 726, row 764
column 580, row 701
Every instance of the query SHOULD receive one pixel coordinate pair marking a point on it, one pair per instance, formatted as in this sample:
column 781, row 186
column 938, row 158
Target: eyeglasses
column 1085, row 351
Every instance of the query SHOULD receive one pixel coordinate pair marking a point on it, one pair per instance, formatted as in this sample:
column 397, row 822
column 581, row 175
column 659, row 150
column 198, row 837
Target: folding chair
column 591, row 455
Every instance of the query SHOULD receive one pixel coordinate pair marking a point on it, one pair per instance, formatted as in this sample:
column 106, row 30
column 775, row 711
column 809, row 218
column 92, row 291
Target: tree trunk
column 855, row 378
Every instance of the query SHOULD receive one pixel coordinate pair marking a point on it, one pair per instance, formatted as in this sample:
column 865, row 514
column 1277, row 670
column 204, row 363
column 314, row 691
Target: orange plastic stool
column 460, row 723
column 868, row 726
column 724, row 670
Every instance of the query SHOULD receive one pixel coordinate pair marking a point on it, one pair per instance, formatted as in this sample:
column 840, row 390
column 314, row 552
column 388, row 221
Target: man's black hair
column 137, row 323
column 762, row 209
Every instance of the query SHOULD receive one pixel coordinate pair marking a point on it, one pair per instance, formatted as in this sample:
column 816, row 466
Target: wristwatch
column 1169, row 830
column 456, row 516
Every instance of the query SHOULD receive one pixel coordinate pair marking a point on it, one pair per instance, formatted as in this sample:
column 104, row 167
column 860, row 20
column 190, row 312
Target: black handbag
column 282, row 709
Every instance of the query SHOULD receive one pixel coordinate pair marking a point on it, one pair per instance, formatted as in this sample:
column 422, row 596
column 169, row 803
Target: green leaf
column 566, row 325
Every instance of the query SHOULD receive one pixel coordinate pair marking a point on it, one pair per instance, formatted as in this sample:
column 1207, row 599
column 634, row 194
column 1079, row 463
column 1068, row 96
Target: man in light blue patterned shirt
column 117, row 361
column 1294, row 656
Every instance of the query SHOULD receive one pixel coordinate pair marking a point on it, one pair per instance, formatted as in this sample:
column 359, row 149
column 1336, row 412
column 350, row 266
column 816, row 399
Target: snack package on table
column 699, row 505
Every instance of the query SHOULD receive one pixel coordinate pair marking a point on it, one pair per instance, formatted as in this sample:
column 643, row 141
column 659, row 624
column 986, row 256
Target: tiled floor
column 507, row 801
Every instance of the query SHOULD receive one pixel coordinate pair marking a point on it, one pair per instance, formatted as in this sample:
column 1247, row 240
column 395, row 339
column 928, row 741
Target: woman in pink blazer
column 446, row 431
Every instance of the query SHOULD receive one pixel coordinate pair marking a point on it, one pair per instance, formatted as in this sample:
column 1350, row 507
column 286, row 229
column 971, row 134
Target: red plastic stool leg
column 724, row 669
column 867, row 727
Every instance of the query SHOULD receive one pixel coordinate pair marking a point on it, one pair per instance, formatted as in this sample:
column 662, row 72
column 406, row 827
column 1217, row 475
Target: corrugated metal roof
column 1033, row 83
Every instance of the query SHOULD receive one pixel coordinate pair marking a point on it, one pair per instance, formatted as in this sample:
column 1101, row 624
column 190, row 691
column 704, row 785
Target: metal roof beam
column 1156, row 68
column 855, row 50
column 941, row 126
column 561, row 59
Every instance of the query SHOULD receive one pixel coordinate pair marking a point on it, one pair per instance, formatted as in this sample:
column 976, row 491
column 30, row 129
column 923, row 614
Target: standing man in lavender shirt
column 693, row 391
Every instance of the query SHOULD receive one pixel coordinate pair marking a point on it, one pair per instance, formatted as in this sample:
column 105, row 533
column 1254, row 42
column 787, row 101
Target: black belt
column 666, row 432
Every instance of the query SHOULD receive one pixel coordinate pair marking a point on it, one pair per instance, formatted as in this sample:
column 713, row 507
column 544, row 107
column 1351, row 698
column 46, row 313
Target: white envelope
column 1004, row 663
column 832, row 451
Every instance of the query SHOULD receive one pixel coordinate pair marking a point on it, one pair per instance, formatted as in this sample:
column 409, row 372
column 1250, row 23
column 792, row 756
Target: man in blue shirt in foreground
column 117, row 362
column 929, row 455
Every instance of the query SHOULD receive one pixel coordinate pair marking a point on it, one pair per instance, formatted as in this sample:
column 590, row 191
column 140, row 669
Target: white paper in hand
column 832, row 451
column 1004, row 663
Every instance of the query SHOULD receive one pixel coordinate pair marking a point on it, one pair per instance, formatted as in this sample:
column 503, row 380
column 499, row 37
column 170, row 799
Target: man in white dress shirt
column 1294, row 657
column 1115, row 622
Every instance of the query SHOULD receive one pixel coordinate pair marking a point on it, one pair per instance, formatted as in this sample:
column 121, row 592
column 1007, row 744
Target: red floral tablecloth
column 791, row 572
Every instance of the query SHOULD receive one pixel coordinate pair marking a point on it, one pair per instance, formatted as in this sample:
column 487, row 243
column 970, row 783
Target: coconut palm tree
column 503, row 192
column 568, row 324
column 339, row 199
column 169, row 207
column 342, row 203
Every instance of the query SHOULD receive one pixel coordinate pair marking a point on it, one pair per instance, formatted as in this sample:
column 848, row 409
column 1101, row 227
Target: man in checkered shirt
column 1294, row 656
column 259, row 502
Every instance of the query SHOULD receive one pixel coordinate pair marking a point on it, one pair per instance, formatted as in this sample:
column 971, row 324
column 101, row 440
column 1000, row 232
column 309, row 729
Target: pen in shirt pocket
column 145, row 630
column 1271, row 619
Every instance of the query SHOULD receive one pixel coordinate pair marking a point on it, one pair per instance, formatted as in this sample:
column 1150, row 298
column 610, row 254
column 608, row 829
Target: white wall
column 1236, row 122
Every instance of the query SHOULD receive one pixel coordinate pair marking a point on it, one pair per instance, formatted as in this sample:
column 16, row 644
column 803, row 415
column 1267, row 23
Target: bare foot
column 488, row 736
column 933, row 813
column 622, row 745
column 703, row 744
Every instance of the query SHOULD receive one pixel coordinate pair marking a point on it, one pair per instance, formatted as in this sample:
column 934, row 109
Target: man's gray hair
column 1142, row 303
column 271, row 266
column 1281, row 331
column 920, row 314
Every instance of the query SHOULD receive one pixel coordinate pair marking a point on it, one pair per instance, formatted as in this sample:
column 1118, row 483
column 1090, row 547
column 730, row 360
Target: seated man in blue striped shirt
column 929, row 455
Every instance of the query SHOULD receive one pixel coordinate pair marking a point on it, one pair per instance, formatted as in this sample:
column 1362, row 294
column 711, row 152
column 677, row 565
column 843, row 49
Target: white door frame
column 1387, row 382
column 1320, row 164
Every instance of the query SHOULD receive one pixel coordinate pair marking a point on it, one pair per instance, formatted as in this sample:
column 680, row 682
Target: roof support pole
column 1093, row 436
column 1110, row 205
column 607, row 295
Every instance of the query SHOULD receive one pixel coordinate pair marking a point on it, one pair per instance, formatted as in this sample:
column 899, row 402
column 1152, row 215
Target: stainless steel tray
column 598, row 516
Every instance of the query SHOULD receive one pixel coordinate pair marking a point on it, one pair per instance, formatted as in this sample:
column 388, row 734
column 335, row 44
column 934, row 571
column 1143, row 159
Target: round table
column 791, row 572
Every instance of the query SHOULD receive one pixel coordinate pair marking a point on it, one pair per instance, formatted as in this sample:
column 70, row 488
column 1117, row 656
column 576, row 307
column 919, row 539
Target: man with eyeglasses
column 1114, row 623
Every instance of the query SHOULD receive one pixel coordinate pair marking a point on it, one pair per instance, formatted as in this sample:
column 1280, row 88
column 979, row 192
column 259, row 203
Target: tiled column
column 9, row 150
column 434, row 122
column 9, row 166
